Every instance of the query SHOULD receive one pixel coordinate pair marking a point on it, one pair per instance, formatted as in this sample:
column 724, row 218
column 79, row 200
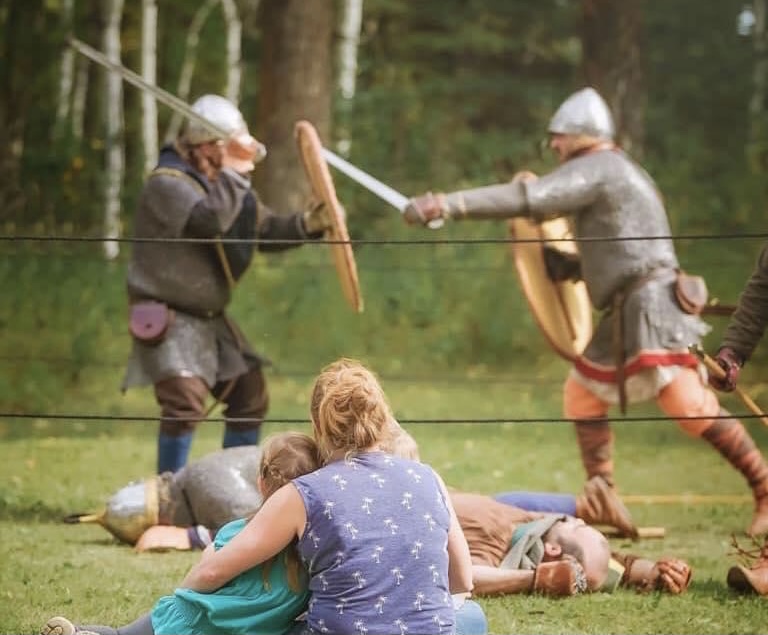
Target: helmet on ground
column 129, row 511
column 583, row 113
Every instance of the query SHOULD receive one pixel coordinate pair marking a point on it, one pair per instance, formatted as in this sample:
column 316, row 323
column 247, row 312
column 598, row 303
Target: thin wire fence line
column 402, row 420
column 378, row 241
column 506, row 240
column 313, row 264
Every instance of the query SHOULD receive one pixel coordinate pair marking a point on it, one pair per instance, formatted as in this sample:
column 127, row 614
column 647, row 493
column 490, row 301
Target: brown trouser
column 182, row 402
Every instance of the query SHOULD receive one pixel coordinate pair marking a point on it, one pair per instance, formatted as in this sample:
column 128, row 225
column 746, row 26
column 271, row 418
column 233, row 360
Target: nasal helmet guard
column 583, row 113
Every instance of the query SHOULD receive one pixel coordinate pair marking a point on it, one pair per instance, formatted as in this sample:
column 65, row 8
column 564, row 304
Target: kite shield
column 319, row 176
column 561, row 309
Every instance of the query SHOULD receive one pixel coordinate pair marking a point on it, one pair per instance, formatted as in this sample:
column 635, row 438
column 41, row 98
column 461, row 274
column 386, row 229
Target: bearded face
column 207, row 157
column 567, row 145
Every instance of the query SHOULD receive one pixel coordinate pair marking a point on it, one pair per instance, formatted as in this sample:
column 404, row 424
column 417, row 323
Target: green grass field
column 451, row 339
column 49, row 469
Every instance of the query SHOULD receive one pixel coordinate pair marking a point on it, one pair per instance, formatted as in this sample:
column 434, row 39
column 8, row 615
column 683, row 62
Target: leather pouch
column 691, row 292
column 150, row 321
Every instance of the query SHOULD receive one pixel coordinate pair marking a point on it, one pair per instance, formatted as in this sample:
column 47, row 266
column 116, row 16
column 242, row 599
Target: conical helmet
column 583, row 113
column 129, row 512
column 221, row 112
column 225, row 116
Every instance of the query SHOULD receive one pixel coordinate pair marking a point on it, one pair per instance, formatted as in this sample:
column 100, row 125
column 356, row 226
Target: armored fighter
column 649, row 308
column 193, row 209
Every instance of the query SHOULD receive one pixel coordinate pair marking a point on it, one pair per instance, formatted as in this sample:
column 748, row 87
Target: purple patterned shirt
column 375, row 546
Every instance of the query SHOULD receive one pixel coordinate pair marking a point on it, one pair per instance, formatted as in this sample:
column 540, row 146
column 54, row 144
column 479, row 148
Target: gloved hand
column 559, row 578
column 731, row 363
column 425, row 208
column 670, row 575
column 561, row 265
column 317, row 218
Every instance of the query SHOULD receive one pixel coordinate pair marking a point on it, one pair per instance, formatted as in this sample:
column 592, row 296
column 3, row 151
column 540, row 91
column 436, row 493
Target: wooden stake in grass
column 642, row 532
column 687, row 499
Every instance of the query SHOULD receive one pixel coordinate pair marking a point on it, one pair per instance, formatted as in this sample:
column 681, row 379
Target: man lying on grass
column 517, row 544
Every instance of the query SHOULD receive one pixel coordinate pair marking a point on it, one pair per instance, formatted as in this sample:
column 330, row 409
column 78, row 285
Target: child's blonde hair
column 348, row 408
column 284, row 457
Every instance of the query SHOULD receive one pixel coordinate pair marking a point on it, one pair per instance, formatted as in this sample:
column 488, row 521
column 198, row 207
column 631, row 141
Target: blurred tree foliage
column 450, row 93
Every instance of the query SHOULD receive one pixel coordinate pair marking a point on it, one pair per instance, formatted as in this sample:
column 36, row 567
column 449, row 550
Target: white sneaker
column 62, row 626
column 58, row 626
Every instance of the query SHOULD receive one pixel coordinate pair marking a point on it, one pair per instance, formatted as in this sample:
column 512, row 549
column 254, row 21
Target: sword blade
column 161, row 95
column 373, row 185
column 370, row 183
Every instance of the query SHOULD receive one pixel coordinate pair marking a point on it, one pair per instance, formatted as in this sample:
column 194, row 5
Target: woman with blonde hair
column 378, row 534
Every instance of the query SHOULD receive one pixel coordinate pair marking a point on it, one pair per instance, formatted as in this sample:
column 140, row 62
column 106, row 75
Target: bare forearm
column 197, row 582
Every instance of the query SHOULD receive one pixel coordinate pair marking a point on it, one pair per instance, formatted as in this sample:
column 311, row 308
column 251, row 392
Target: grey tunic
column 612, row 203
column 179, row 203
column 747, row 325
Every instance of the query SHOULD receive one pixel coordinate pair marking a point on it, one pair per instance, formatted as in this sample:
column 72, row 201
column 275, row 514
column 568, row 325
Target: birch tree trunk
column 78, row 98
column 149, row 73
column 113, row 111
column 234, row 50
column 350, row 20
column 295, row 83
column 188, row 66
column 66, row 72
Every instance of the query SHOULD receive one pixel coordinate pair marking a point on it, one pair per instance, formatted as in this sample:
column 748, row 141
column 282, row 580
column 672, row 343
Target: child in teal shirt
column 266, row 599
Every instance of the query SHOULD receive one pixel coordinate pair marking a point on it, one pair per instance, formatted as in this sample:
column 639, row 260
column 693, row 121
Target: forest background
column 424, row 95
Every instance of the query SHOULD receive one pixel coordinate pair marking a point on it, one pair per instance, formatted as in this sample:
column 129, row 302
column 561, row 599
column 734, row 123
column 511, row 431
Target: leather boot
column 601, row 505
column 595, row 438
column 731, row 439
column 752, row 579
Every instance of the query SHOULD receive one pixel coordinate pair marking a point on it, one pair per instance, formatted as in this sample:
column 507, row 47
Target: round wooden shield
column 561, row 309
column 320, row 179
